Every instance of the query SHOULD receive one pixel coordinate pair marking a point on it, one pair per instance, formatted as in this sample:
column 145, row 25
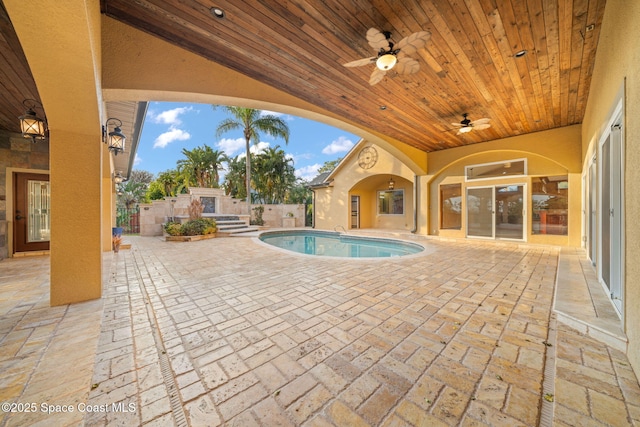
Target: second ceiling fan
column 467, row 125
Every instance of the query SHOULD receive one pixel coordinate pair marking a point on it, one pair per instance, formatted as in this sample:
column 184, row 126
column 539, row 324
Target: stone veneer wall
column 156, row 213
column 20, row 153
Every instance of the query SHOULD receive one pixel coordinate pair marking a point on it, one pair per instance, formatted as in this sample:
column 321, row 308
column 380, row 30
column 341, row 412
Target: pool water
column 338, row 245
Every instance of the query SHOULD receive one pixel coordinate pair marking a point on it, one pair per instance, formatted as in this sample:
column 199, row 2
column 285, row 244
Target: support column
column 76, row 251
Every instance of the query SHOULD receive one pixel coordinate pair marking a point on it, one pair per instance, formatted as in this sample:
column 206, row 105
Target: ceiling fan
column 391, row 55
column 467, row 125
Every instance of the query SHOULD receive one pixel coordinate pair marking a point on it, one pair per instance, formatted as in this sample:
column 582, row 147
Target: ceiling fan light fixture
column 386, row 62
column 465, row 129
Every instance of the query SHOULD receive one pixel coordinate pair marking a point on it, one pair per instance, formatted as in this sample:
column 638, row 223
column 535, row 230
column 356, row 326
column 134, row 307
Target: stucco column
column 76, row 255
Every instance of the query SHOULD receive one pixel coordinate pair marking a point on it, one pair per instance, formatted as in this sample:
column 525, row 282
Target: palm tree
column 169, row 181
column 234, row 180
column 275, row 175
column 252, row 122
column 202, row 166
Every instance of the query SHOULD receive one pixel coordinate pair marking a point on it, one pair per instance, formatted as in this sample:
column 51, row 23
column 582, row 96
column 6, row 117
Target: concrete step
column 236, row 231
column 231, row 226
column 225, row 223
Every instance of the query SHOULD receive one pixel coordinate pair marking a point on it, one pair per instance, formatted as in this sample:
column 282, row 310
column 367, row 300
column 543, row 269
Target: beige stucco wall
column 332, row 204
column 554, row 152
column 548, row 153
column 617, row 66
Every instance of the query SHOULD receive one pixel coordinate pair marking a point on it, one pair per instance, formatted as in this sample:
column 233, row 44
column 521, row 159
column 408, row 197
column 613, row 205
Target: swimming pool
column 327, row 243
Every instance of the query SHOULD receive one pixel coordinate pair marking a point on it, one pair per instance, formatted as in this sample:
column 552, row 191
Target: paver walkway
column 230, row 332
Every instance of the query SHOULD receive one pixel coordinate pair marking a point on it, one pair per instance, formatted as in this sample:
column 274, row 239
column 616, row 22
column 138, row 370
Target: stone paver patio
column 230, row 332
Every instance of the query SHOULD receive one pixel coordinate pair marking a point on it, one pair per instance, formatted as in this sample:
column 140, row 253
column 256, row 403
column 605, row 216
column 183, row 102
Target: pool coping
column 426, row 250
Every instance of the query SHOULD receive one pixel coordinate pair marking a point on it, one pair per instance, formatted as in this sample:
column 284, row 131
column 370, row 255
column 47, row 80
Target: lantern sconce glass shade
column 118, row 178
column 31, row 125
column 115, row 139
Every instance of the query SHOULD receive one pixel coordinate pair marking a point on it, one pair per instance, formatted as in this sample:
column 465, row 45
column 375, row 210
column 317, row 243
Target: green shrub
column 172, row 228
column 200, row 226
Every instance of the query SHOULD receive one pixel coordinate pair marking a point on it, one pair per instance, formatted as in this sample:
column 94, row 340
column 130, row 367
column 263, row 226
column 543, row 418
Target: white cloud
column 231, row 146
column 236, row 147
column 308, row 172
column 272, row 113
column 340, row 145
column 259, row 147
column 171, row 117
column 137, row 160
column 171, row 135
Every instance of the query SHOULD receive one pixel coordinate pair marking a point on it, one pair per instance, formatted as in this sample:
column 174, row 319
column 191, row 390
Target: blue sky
column 170, row 127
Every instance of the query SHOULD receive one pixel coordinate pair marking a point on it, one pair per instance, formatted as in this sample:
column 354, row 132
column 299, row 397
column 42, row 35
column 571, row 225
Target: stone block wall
column 156, row 213
column 19, row 153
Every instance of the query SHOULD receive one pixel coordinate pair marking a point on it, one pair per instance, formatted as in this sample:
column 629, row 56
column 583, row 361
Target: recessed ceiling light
column 217, row 12
column 521, row 53
column 383, row 107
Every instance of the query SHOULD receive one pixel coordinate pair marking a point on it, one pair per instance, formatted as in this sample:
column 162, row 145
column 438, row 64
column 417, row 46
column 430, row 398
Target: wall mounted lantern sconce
column 115, row 139
column 392, row 184
column 31, row 125
column 118, row 178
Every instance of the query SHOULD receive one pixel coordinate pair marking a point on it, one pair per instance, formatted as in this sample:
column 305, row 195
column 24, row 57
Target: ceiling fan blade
column 360, row 62
column 377, row 39
column 407, row 65
column 457, row 124
column 376, row 76
column 413, row 42
column 480, row 121
column 482, row 126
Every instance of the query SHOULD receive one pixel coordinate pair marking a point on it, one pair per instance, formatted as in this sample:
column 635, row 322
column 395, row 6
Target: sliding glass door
column 496, row 212
column 480, row 212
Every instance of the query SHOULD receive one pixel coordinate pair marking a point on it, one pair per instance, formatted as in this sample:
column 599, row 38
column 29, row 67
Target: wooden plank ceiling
column 467, row 66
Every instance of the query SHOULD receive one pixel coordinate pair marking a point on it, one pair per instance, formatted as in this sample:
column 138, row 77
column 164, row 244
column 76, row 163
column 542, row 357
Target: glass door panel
column 38, row 213
column 31, row 212
column 480, row 212
column 592, row 213
column 355, row 211
column 605, row 231
column 509, row 212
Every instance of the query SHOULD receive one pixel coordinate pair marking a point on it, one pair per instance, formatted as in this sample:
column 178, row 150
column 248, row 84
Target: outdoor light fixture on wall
column 115, row 139
column 392, row 184
column 31, row 125
column 117, row 177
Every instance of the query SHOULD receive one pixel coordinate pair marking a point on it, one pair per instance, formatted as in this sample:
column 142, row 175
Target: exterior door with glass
column 496, row 212
column 355, row 211
column 611, row 221
column 31, row 213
